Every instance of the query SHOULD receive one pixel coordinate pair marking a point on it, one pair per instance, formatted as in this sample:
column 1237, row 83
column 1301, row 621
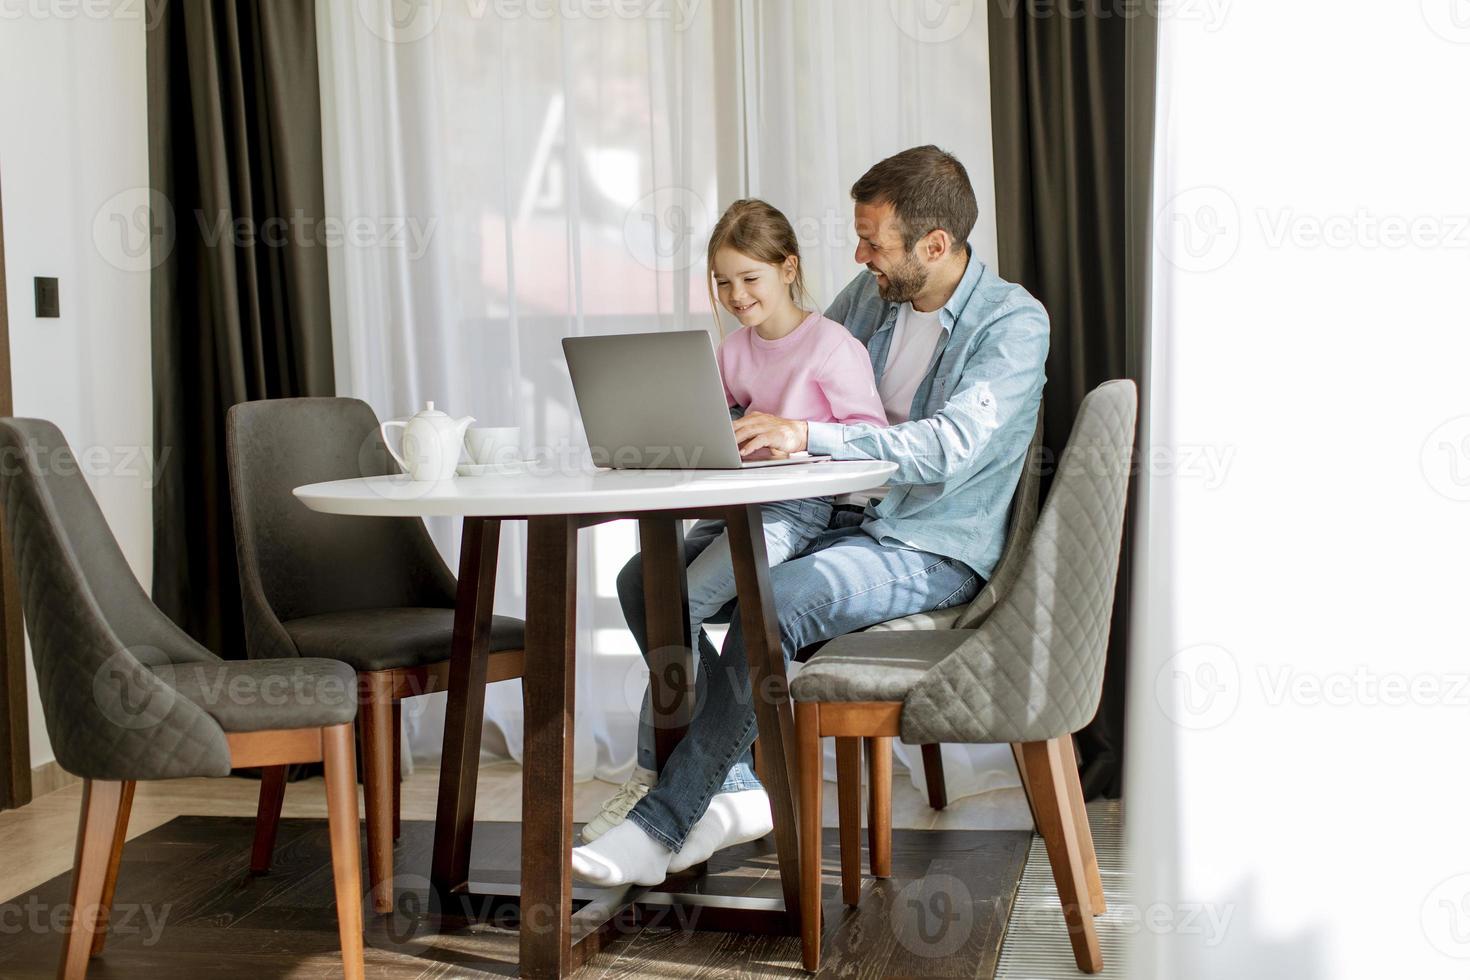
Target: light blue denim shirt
column 959, row 457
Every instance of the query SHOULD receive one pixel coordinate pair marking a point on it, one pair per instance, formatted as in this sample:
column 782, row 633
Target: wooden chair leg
column 850, row 815
column 341, row 779
column 809, row 777
column 1026, row 784
column 397, row 769
column 934, row 776
column 1047, row 772
column 1084, row 829
column 880, row 805
column 267, row 817
column 109, row 886
column 375, row 719
column 96, row 836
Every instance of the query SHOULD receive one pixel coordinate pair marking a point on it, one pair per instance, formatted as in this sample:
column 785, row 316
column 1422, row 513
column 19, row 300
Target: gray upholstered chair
column 127, row 695
column 1019, row 523
column 1030, row 675
column 369, row 591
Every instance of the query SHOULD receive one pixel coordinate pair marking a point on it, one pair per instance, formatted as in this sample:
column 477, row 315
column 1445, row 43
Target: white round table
column 556, row 501
column 535, row 490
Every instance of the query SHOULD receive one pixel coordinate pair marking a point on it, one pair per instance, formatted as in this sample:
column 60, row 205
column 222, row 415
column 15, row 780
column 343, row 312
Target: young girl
column 787, row 361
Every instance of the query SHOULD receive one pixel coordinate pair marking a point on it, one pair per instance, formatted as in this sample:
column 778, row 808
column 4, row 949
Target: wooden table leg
column 550, row 683
column 768, row 682
column 666, row 606
column 454, row 822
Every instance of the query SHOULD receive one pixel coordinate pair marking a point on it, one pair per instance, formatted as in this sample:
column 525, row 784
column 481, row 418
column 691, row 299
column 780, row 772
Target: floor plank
column 187, row 905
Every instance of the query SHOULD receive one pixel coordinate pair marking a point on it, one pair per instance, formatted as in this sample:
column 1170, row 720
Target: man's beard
column 904, row 282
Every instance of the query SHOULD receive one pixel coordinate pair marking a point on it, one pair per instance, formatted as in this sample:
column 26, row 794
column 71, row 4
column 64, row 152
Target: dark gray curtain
column 1072, row 102
column 240, row 308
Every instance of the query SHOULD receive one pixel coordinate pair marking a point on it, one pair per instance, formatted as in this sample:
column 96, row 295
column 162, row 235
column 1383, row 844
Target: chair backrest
column 1034, row 669
column 1020, row 522
column 296, row 562
column 94, row 631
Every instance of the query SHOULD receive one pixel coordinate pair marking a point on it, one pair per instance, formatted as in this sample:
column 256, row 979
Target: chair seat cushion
column 383, row 639
column 874, row 666
column 257, row 695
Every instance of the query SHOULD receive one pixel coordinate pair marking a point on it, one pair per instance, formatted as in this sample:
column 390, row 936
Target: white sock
column 732, row 818
column 624, row 855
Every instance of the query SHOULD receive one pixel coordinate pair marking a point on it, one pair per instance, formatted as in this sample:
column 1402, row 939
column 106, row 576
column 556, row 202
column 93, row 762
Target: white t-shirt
column 915, row 335
column 911, row 349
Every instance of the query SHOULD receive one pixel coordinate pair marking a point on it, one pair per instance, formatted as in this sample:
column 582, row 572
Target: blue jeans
column 845, row 581
column 790, row 528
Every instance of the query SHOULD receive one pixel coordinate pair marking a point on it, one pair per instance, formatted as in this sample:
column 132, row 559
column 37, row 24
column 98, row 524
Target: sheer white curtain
column 552, row 176
column 556, row 173
column 830, row 87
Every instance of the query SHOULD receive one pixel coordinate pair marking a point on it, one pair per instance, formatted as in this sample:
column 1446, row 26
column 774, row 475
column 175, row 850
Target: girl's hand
column 757, row 431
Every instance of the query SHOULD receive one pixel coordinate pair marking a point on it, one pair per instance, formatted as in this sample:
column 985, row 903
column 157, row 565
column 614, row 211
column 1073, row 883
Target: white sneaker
column 615, row 810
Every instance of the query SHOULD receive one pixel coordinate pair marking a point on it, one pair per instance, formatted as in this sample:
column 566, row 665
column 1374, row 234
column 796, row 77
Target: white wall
column 1300, row 695
column 74, row 157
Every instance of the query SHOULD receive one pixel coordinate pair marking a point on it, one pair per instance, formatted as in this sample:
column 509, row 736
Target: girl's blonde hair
column 752, row 227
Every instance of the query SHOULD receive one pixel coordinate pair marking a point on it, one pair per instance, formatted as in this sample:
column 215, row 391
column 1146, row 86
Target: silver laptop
column 654, row 401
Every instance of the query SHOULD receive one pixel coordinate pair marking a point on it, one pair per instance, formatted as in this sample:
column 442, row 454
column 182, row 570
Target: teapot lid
column 429, row 409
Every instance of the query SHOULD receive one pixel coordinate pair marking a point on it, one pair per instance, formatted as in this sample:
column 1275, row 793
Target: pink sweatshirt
column 818, row 373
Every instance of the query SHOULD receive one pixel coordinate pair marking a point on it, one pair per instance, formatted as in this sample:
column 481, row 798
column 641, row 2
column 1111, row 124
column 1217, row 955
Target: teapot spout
column 464, row 423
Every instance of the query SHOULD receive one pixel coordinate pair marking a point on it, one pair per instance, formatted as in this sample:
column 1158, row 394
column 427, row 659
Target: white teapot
column 431, row 443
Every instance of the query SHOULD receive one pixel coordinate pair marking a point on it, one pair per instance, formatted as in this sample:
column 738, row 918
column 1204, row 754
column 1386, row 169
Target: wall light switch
column 48, row 296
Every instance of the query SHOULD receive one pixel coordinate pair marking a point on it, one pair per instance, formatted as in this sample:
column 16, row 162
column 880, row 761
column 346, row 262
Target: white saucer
column 493, row 469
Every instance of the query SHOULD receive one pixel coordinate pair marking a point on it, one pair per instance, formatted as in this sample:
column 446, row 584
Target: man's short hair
column 928, row 189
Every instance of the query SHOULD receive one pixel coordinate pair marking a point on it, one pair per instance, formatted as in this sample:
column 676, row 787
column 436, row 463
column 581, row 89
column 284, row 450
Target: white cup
column 492, row 444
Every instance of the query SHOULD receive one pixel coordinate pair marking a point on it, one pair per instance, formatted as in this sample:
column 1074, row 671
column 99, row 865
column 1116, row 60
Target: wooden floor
column 191, row 909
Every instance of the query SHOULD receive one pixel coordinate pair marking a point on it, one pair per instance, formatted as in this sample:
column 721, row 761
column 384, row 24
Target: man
column 959, row 356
